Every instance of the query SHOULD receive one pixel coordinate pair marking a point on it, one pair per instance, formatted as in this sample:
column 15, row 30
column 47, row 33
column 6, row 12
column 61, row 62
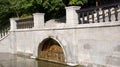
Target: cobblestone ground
column 10, row 60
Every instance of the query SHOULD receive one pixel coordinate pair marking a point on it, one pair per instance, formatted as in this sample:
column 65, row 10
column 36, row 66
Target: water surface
column 10, row 60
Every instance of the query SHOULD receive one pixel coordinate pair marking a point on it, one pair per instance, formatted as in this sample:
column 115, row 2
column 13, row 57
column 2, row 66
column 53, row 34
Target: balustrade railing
column 98, row 14
column 25, row 23
column 4, row 31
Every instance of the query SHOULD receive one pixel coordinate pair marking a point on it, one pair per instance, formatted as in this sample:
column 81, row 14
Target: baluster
column 3, row 32
column 83, row 18
column 0, row 34
column 109, row 15
column 103, row 14
column 6, row 31
column 28, row 24
column 87, row 17
column 92, row 16
column 32, row 25
column 98, row 17
column 20, row 26
column 80, row 22
column 116, row 14
column 17, row 25
column 23, row 25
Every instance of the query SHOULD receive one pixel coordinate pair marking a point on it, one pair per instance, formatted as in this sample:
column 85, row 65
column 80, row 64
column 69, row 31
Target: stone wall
column 83, row 45
column 98, row 46
column 7, row 43
column 92, row 45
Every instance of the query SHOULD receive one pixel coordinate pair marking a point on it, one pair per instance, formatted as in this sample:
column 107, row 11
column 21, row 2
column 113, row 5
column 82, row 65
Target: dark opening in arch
column 50, row 49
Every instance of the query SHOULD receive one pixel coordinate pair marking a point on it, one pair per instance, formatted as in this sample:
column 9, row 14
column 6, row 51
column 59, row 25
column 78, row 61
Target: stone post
column 39, row 20
column 71, row 15
column 13, row 24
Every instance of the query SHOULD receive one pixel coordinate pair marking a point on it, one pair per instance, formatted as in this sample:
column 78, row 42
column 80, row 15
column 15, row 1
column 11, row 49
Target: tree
column 57, row 4
column 17, row 6
column 56, row 8
column 20, row 8
column 77, row 2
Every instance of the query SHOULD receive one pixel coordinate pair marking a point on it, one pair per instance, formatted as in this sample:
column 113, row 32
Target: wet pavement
column 10, row 60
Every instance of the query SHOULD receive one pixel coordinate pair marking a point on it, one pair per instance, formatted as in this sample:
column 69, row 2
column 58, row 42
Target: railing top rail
column 98, row 7
column 25, row 19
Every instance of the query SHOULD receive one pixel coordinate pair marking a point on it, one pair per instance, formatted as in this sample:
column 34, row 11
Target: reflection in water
column 9, row 60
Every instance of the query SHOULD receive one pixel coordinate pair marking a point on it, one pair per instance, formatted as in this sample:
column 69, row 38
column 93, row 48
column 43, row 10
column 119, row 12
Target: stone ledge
column 77, row 26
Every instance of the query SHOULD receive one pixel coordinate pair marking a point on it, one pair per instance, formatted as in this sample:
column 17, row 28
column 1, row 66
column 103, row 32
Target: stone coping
column 78, row 26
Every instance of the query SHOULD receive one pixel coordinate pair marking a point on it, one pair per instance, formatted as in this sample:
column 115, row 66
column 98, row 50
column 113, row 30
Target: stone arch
column 51, row 49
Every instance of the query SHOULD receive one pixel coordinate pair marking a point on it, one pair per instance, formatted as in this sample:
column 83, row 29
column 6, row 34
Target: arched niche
column 50, row 49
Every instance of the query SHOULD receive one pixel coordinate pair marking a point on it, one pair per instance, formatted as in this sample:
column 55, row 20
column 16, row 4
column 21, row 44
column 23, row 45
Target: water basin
column 10, row 60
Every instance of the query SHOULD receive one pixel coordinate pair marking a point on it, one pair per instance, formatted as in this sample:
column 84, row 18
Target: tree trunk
column 17, row 13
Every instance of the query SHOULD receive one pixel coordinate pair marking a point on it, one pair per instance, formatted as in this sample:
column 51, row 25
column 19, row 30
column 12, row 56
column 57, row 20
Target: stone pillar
column 13, row 24
column 71, row 15
column 13, row 27
column 39, row 20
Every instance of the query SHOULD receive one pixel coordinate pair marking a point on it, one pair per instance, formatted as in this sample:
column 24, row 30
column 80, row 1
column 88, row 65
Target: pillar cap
column 73, row 7
column 39, row 14
column 14, row 18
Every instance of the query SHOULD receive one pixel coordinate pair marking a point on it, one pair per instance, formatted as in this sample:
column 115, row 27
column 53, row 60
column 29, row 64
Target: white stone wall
column 87, row 46
column 92, row 45
column 29, row 41
column 99, row 46
column 6, row 44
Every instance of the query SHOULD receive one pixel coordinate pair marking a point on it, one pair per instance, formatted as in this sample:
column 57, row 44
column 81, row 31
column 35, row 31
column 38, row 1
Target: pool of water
column 10, row 60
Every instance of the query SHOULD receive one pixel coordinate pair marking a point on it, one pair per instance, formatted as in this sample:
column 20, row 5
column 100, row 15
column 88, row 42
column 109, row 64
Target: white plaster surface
column 95, row 45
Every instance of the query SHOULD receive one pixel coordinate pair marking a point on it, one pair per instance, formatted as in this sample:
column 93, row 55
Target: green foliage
column 53, row 4
column 23, row 8
column 77, row 2
column 17, row 6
